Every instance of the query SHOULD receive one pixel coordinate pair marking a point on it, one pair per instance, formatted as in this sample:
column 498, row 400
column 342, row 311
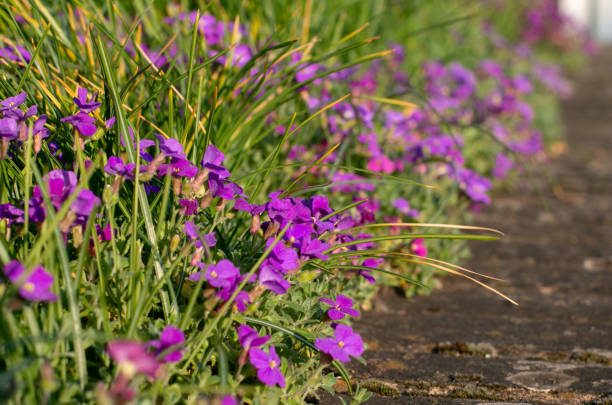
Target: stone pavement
column 464, row 345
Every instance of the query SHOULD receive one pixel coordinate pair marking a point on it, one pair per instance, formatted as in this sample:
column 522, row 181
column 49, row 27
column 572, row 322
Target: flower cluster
column 13, row 125
column 207, row 247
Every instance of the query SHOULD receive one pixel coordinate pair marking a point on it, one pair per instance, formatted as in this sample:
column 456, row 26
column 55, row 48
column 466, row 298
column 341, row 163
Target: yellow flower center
column 337, row 306
column 213, row 274
column 292, row 239
column 272, row 364
column 29, row 287
column 128, row 369
column 341, row 344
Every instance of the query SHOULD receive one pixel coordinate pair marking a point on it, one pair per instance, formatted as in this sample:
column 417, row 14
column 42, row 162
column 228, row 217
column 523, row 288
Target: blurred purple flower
column 241, row 300
column 171, row 147
column 83, row 122
column 403, row 206
column 417, row 246
column 273, row 279
column 60, row 184
column 133, row 358
column 85, row 203
column 503, row 164
column 13, row 103
column 169, row 337
column 248, row 337
column 36, row 286
column 116, row 166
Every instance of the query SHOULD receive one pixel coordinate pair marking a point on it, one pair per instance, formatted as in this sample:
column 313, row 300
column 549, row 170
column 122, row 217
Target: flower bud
column 65, row 224
column 255, row 224
column 206, row 201
column 221, row 204
column 177, row 185
column 272, row 229
column 37, row 142
column 154, row 165
column 197, row 255
column 116, row 184
column 77, row 236
column 4, row 147
column 199, row 180
column 174, row 242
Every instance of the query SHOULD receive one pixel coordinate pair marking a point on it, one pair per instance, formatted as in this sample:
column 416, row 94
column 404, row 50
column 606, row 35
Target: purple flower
column 16, row 53
column 267, row 366
column 353, row 186
column 142, row 145
column 434, row 70
column 346, row 343
column 12, row 103
column 8, row 128
column 367, row 274
column 552, row 78
column 403, row 206
column 312, row 247
column 464, row 80
column 282, row 258
column 60, row 184
column 319, row 206
column 86, row 105
column 273, row 279
column 132, row 358
column 241, row 55
column 178, row 167
column 474, row 185
column 339, row 308
column 492, row 69
column 522, row 84
column 169, row 337
column 503, row 164
column 171, row 147
column 188, row 207
column 417, row 246
column 11, row 213
column 193, row 232
column 223, row 274
column 241, row 301
column 210, row 239
column 213, row 156
column 85, row 203
column 229, row 400
column 36, row 286
column 212, row 160
column 223, row 188
column 105, row 233
column 83, row 122
column 297, row 233
column 242, row 205
column 248, row 337
column 116, row 166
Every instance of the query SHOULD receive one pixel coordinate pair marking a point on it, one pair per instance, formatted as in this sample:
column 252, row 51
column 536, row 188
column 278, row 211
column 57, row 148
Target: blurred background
column 596, row 15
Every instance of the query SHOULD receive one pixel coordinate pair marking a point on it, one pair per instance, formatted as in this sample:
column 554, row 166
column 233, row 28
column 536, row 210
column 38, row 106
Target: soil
column 465, row 345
